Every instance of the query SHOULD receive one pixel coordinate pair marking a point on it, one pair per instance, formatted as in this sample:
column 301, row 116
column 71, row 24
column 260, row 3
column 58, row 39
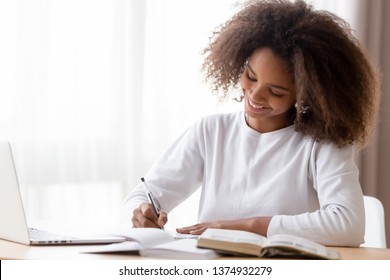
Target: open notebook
column 13, row 224
column 157, row 243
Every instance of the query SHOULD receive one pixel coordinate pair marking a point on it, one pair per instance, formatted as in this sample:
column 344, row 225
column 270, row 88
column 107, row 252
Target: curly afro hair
column 333, row 76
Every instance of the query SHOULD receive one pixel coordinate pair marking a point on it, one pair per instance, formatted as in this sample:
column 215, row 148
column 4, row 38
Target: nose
column 258, row 93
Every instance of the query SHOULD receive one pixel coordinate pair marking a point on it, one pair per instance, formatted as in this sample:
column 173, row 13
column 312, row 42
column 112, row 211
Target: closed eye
column 277, row 94
column 278, row 90
column 253, row 79
column 250, row 74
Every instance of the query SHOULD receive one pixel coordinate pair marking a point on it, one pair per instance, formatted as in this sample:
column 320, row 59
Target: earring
column 302, row 109
column 239, row 98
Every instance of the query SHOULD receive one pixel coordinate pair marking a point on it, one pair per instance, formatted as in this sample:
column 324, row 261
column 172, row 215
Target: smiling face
column 269, row 91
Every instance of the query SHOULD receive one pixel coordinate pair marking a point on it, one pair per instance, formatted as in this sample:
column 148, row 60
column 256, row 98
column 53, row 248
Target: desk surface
column 11, row 250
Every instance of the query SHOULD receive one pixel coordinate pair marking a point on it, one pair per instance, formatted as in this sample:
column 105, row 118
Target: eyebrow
column 272, row 85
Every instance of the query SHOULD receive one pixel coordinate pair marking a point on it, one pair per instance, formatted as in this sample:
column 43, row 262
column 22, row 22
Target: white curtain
column 93, row 91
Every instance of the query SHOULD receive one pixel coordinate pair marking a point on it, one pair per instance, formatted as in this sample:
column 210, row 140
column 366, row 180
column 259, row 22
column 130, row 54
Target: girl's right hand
column 144, row 216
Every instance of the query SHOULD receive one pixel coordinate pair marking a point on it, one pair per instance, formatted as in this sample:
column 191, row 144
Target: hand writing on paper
column 144, row 216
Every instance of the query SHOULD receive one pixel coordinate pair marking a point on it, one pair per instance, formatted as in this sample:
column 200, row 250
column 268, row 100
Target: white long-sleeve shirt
column 310, row 188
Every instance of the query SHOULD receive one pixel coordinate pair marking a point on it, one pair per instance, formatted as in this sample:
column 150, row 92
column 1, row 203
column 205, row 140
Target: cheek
column 280, row 103
column 286, row 106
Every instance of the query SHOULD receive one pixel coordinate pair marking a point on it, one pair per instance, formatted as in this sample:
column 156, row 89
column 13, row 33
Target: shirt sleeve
column 340, row 221
column 175, row 176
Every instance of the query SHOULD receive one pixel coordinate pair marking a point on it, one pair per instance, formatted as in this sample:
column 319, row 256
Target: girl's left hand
column 257, row 225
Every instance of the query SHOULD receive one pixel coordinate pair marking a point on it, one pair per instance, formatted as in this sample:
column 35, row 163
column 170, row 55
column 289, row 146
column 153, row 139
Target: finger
column 198, row 231
column 188, row 229
column 134, row 219
column 143, row 222
column 147, row 211
column 140, row 220
column 184, row 230
column 162, row 219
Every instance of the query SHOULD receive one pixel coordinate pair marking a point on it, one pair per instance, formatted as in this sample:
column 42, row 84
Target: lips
column 256, row 107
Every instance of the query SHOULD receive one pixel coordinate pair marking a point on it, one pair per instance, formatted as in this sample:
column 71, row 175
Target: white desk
column 11, row 250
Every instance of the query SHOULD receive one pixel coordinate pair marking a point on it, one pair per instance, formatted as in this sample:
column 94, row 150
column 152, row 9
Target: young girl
column 285, row 164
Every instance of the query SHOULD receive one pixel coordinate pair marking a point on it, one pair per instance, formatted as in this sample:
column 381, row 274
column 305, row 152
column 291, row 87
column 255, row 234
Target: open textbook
column 158, row 243
column 251, row 244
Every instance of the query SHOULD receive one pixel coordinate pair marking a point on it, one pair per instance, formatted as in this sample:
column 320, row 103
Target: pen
column 151, row 198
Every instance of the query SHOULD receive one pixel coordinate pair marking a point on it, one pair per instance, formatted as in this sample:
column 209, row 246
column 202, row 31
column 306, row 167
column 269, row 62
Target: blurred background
column 93, row 91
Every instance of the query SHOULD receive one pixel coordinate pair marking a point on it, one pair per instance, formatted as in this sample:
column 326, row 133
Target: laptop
column 13, row 223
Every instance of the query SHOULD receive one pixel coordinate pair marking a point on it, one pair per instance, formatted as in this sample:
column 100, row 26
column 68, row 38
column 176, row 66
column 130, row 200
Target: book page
column 147, row 237
column 300, row 245
column 179, row 249
column 127, row 246
column 139, row 238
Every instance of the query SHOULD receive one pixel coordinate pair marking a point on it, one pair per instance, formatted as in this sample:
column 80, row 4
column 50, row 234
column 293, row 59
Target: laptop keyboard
column 37, row 234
